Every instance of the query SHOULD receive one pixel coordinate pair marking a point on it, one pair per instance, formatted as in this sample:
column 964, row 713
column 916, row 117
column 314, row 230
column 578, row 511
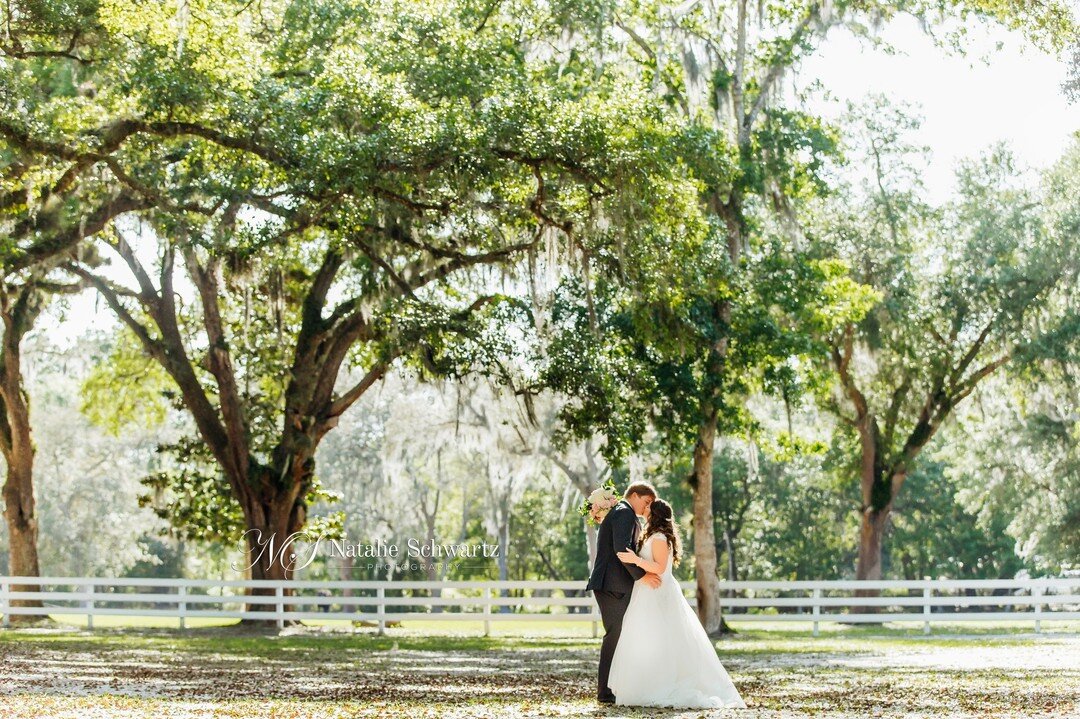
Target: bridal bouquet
column 599, row 503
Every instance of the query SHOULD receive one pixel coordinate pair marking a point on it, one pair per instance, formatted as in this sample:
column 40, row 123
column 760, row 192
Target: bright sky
column 967, row 103
column 1010, row 93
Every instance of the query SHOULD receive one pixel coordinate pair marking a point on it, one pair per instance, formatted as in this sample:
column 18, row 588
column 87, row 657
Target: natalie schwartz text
column 415, row 550
column 300, row 549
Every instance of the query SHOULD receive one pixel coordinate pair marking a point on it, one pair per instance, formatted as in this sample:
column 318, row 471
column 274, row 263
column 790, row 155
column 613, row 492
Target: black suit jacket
column 618, row 531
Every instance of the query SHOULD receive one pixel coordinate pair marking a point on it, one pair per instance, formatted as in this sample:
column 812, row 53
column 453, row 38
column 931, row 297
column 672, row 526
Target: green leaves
column 624, row 356
column 792, row 149
column 125, row 389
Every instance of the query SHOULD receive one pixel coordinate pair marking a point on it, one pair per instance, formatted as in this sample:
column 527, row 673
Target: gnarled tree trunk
column 871, row 533
column 22, row 524
column 274, row 512
column 18, row 310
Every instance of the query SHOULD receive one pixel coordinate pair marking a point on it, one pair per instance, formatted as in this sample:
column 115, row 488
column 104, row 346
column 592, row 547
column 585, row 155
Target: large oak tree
column 369, row 160
column 965, row 289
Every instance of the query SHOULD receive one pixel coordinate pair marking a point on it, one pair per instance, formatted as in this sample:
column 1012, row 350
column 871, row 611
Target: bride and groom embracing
column 655, row 651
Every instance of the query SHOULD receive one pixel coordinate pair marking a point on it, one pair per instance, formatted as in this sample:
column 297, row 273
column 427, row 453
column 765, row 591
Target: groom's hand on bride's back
column 653, row 580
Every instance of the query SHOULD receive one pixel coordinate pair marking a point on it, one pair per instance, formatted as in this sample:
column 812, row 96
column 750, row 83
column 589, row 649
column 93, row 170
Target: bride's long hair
column 661, row 522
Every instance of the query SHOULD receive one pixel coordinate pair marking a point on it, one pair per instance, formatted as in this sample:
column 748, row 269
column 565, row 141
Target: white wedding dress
column 664, row 658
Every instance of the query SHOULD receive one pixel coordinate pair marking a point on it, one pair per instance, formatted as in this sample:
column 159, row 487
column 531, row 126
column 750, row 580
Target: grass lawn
column 325, row 671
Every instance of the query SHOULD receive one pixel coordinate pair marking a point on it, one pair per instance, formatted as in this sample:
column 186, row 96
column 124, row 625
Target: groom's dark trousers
column 612, row 608
column 611, row 583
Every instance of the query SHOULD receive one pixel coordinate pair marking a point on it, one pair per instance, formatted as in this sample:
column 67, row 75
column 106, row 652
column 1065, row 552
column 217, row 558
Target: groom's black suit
column 612, row 581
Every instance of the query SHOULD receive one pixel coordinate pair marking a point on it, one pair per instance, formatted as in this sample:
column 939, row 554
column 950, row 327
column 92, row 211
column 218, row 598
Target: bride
column 664, row 658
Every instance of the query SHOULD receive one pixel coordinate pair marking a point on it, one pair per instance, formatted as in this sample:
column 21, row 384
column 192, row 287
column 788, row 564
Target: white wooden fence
column 384, row 603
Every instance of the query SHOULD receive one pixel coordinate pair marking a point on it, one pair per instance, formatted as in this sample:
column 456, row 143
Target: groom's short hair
column 641, row 488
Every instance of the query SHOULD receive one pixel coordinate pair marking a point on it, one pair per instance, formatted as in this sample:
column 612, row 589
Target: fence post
column 89, row 604
column 817, row 609
column 182, row 606
column 4, row 603
column 1037, row 591
column 487, row 611
column 279, row 594
column 380, row 609
column 927, row 592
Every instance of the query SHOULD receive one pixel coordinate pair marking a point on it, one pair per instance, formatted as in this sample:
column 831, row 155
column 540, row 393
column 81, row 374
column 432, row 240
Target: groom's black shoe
column 607, row 699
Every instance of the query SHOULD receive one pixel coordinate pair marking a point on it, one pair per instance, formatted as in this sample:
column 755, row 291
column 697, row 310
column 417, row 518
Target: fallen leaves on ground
column 220, row 674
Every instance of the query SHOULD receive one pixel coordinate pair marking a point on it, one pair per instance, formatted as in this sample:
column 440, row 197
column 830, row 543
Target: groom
column 612, row 580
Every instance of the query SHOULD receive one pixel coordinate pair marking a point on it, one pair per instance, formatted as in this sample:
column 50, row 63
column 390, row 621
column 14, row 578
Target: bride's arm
column 660, row 555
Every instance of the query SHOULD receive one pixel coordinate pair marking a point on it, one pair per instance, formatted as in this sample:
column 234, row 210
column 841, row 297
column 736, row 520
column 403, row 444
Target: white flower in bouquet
column 599, row 502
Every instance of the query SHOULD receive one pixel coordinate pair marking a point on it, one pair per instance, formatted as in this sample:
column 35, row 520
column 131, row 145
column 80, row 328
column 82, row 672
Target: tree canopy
column 609, row 230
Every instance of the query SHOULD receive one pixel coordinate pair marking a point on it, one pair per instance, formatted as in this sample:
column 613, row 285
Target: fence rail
column 385, row 603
